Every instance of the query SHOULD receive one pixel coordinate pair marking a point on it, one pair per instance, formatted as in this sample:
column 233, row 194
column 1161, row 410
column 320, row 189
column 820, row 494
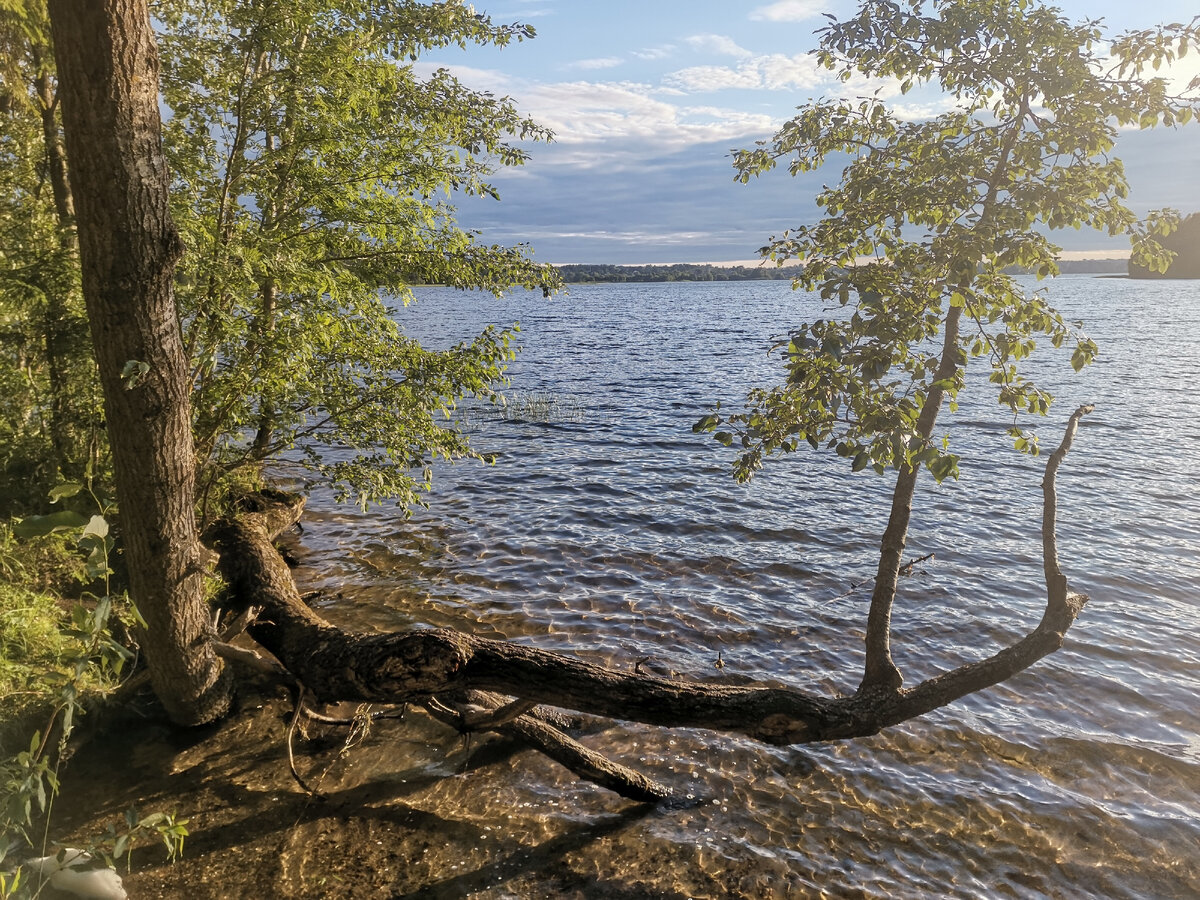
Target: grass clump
column 540, row 406
column 33, row 642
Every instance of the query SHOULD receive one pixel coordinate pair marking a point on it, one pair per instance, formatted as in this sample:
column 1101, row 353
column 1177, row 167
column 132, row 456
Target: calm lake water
column 609, row 530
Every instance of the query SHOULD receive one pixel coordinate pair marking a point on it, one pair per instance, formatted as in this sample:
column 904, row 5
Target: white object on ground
column 67, row 871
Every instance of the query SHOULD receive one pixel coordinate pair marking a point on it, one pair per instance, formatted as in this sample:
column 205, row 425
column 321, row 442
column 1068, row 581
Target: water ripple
column 619, row 537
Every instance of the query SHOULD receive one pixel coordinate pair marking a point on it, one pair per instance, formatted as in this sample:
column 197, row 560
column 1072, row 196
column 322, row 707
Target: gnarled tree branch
column 445, row 670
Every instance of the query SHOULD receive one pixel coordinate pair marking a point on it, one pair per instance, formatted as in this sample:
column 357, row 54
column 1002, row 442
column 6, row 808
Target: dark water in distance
column 611, row 531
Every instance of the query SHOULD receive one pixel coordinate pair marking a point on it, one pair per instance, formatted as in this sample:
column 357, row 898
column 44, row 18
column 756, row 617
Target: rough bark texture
column 444, row 670
column 108, row 81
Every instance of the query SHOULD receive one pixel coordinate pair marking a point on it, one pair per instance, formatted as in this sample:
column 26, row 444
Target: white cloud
column 479, row 79
column 919, row 112
column 630, row 115
column 1181, row 72
column 583, row 112
column 781, row 72
column 662, row 51
column 774, row 72
column 717, row 43
column 715, row 78
column 632, row 238
column 789, row 11
column 603, row 62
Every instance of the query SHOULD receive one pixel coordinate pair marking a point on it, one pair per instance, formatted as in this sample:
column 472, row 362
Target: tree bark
column 438, row 667
column 108, row 80
column 880, row 672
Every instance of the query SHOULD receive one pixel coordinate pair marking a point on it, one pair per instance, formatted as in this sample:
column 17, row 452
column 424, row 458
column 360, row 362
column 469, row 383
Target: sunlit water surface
column 609, row 530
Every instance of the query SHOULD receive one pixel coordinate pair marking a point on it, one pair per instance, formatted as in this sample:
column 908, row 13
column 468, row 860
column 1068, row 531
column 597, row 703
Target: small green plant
column 50, row 663
column 119, row 842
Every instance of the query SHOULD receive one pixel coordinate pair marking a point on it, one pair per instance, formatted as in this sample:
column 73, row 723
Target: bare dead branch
column 343, row 721
column 563, row 749
column 1056, row 582
column 490, row 719
column 907, row 568
column 240, row 623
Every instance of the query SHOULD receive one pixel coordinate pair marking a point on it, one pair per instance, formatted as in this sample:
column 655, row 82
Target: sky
column 648, row 99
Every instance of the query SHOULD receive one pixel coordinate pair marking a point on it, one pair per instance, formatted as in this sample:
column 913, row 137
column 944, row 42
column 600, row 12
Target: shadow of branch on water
column 524, row 859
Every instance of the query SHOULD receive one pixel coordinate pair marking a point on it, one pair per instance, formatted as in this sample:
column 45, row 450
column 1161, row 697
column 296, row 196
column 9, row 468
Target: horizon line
column 1066, row 255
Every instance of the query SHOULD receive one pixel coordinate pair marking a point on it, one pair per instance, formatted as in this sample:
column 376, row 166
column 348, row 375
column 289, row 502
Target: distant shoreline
column 609, row 273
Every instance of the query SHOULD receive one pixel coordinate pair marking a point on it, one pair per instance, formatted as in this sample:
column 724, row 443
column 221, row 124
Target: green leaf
column 133, row 372
column 97, row 526
column 38, row 526
column 944, row 467
column 317, row 224
column 64, row 490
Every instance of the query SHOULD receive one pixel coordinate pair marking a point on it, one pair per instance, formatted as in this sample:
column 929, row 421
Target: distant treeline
column 1093, row 266
column 590, row 273
column 603, row 273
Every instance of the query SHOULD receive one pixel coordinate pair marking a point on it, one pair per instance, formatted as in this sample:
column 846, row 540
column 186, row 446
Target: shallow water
column 611, row 531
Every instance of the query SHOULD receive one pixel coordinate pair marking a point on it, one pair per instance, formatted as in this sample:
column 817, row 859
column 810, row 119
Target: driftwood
column 474, row 683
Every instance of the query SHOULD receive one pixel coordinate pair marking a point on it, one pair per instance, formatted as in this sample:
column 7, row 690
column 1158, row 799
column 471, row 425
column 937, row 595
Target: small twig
column 854, row 586
column 907, row 568
column 444, row 713
column 243, row 621
column 302, row 692
column 323, row 719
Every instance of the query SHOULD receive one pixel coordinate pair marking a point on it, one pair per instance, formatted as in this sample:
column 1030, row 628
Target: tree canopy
column 315, row 167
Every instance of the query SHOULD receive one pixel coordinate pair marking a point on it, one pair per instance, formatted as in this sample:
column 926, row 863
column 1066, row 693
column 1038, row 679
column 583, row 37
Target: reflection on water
column 616, row 534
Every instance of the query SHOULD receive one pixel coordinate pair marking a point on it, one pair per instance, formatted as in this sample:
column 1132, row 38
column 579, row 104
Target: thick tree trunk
column 108, row 80
column 436, row 668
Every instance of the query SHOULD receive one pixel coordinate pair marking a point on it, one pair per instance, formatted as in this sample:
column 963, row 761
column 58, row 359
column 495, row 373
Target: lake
column 608, row 529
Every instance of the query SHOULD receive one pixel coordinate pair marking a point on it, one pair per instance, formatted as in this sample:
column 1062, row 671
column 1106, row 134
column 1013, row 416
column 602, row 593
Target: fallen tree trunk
column 445, row 670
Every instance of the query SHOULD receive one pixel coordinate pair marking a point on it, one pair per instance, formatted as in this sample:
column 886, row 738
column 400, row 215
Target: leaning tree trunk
column 108, row 78
column 457, row 676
